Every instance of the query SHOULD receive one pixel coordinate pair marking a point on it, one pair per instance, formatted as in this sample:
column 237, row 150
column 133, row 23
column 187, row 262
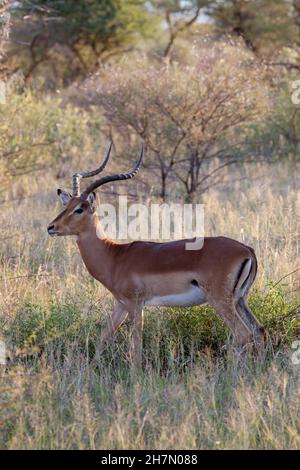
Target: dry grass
column 195, row 390
column 218, row 404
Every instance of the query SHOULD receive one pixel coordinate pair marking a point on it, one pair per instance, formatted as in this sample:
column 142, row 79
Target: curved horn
column 87, row 174
column 118, row 177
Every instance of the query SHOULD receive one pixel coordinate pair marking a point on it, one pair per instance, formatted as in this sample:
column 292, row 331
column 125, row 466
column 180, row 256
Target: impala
column 148, row 273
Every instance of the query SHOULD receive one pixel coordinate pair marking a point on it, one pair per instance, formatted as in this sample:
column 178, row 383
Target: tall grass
column 59, row 401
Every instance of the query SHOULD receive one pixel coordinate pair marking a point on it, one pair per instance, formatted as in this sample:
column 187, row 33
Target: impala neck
column 97, row 252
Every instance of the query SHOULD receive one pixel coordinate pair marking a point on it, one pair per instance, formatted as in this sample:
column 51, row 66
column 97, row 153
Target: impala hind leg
column 245, row 313
column 227, row 312
column 136, row 332
column 242, row 323
column 244, row 282
column 115, row 321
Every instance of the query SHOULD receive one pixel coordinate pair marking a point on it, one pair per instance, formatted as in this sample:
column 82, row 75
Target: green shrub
column 36, row 326
column 278, row 314
column 172, row 337
column 43, row 133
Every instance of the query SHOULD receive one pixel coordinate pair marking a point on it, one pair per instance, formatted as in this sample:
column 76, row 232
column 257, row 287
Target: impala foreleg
column 115, row 321
column 136, row 340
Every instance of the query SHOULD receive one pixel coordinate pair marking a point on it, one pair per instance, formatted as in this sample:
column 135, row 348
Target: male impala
column 147, row 273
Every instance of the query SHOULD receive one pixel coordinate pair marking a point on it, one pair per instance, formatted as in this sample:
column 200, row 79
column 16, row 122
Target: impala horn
column 109, row 178
column 86, row 174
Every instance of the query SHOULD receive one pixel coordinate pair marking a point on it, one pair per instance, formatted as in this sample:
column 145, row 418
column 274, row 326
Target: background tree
column 260, row 23
column 62, row 41
column 193, row 119
column 71, row 38
column 179, row 16
column 4, row 24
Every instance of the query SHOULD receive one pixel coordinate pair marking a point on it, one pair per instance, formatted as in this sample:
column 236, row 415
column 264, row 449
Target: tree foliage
column 4, row 24
column 261, row 23
column 74, row 36
column 179, row 16
column 63, row 41
column 192, row 118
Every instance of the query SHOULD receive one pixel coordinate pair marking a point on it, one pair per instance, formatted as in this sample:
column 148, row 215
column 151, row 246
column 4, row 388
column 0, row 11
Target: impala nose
column 50, row 228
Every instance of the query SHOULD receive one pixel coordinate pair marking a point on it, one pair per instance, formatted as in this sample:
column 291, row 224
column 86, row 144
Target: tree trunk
column 163, row 187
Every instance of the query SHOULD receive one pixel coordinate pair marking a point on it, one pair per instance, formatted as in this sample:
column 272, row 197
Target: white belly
column 194, row 296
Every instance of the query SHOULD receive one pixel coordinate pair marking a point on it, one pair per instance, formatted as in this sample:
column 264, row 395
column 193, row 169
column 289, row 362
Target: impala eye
column 78, row 211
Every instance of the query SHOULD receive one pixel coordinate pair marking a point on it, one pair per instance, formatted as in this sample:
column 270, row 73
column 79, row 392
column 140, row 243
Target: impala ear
column 91, row 199
column 64, row 196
